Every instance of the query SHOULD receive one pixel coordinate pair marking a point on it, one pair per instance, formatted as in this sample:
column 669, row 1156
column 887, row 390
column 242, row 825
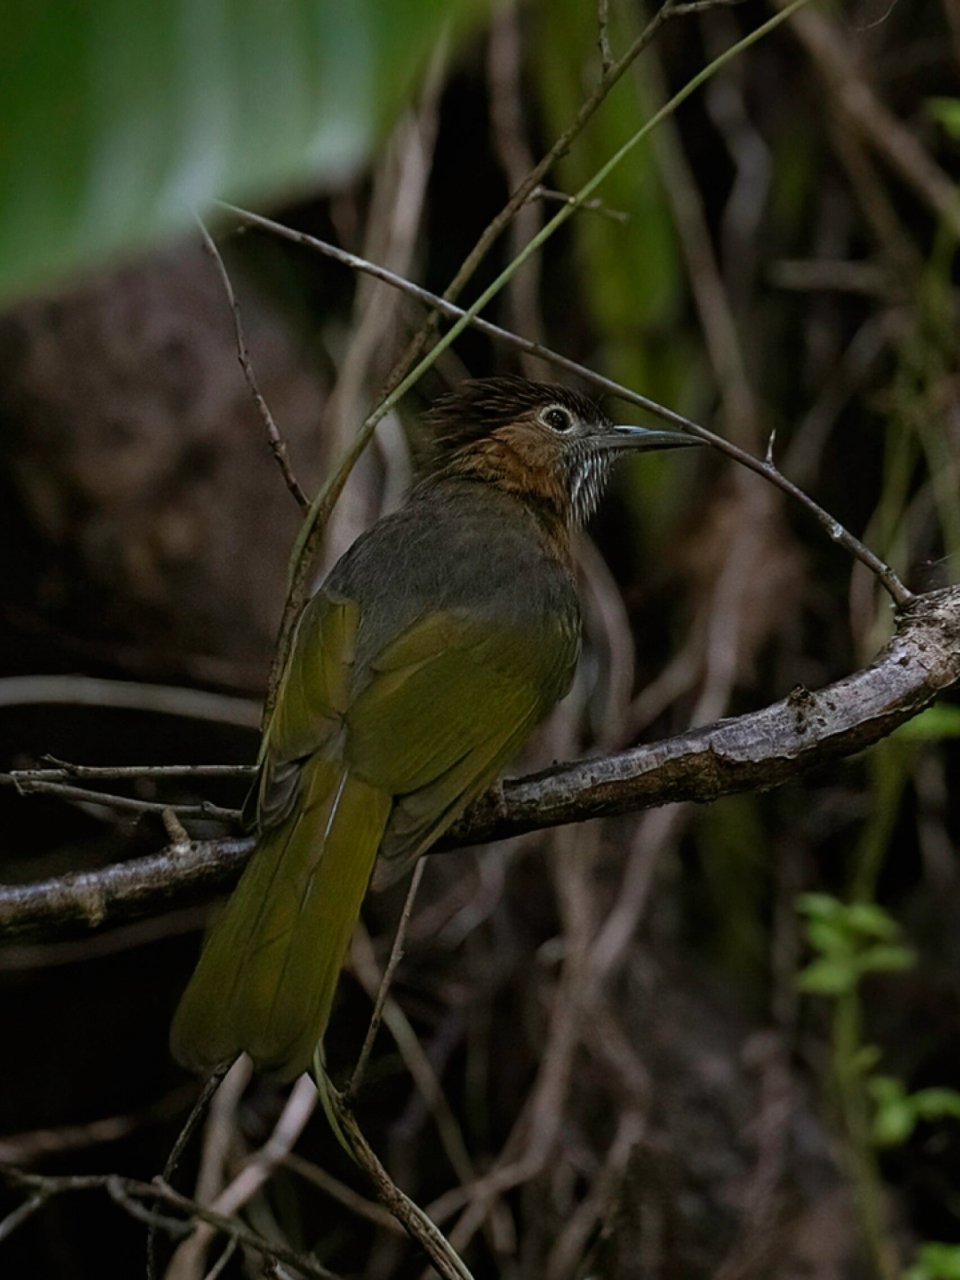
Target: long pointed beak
column 646, row 438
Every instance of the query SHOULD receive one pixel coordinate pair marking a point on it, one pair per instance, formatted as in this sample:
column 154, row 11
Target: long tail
column 268, row 972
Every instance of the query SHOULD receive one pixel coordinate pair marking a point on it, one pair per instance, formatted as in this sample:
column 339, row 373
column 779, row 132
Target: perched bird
column 437, row 642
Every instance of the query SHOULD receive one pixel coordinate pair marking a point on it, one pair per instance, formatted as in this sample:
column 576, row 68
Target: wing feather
column 447, row 704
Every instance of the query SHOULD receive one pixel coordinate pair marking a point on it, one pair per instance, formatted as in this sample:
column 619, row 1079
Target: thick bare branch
column 751, row 752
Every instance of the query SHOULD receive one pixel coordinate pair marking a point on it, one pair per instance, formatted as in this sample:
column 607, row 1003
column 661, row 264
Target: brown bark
column 755, row 751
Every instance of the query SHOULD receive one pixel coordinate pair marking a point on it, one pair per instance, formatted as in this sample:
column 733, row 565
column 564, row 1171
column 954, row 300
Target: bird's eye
column 557, row 418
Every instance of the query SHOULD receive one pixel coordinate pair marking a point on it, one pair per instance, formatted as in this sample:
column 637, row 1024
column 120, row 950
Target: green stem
column 863, row 1170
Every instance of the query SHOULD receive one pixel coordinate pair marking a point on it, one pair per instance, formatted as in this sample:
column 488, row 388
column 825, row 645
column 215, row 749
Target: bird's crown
column 479, row 407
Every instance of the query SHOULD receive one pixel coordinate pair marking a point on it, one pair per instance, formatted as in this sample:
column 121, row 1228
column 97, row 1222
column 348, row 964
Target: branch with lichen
column 756, row 751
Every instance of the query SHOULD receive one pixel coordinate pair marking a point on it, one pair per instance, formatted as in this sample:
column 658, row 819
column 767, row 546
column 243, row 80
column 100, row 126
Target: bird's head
column 544, row 442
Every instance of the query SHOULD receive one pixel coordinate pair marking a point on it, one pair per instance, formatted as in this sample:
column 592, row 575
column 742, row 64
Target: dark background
column 677, row 1102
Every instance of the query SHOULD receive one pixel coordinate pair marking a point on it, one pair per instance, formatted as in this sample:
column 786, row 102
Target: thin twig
column 130, row 1192
column 392, row 233
column 588, row 206
column 17, row 1217
column 197, row 1112
column 221, row 1263
column 277, row 444
column 190, row 1258
column 340, row 1192
column 701, row 6
column 34, row 1145
column 887, row 135
column 762, row 467
column 219, row 1132
column 559, row 148
column 128, row 804
column 417, row 1062
column 396, row 955
column 56, row 770
column 569, row 1245
column 511, row 146
column 409, row 1214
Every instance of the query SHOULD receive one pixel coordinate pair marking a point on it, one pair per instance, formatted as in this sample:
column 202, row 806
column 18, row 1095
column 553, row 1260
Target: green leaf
column 893, row 1125
column 869, row 920
column 886, row 959
column 829, row 938
column 886, row 1090
column 819, row 906
column 866, row 1058
column 897, row 1111
column 121, row 117
column 895, row 1117
column 831, row 977
column 937, row 1104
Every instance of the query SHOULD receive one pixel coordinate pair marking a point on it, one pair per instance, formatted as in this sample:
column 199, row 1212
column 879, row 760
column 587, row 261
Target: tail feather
column 266, row 979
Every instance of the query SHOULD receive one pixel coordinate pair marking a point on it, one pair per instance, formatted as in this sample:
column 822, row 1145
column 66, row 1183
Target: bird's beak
column 646, row 438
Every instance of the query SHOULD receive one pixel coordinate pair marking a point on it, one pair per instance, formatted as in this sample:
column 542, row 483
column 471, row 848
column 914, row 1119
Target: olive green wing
column 266, row 978
column 311, row 702
column 444, row 708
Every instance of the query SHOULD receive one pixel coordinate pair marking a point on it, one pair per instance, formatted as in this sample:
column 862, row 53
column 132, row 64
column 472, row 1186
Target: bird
column 417, row 670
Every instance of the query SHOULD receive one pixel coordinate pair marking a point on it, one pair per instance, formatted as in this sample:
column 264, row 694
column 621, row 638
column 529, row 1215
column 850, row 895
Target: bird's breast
column 463, row 548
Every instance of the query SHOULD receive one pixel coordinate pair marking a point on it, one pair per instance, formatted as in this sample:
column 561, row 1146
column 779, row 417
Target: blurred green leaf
column 897, row 1111
column 819, row 906
column 828, row 937
column 632, row 271
column 946, row 111
column 866, row 1058
column 851, row 939
column 831, row 977
column 121, row 117
column 937, row 1104
column 933, row 725
column 869, row 920
column 936, row 1262
column 895, row 1117
column 886, row 959
column 893, row 1125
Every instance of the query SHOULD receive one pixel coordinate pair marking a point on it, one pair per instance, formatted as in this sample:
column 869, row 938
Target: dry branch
column 134, row 1196
column 750, row 752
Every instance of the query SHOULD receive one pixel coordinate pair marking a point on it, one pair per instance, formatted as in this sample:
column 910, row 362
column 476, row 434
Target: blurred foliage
column 935, row 1262
column 850, row 941
column 626, row 261
column 630, row 267
column 898, row 1112
column 122, row 119
column 933, row 725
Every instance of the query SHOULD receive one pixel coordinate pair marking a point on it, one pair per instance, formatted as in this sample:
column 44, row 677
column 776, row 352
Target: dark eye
column 557, row 418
